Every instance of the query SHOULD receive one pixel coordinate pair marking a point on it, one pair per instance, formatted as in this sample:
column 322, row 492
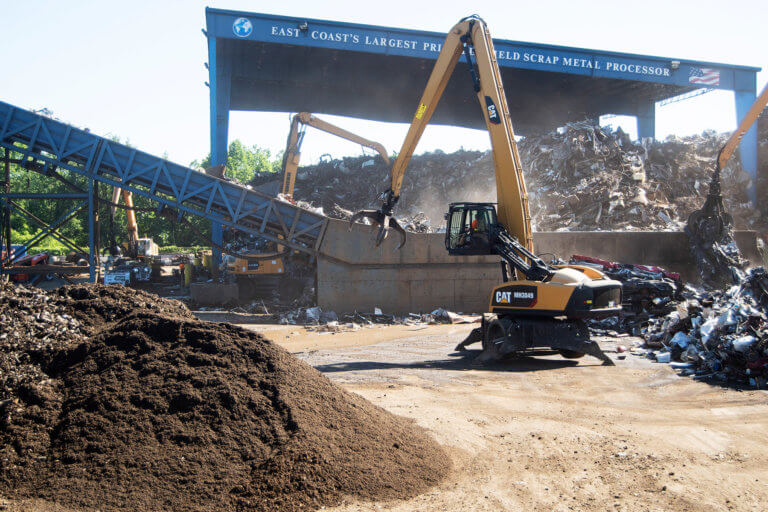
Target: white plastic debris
column 313, row 314
column 742, row 343
column 681, row 339
column 707, row 329
column 662, row 357
column 377, row 311
column 727, row 318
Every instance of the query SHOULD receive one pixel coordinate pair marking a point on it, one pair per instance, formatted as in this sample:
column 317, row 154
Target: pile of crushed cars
column 647, row 291
column 721, row 335
column 580, row 177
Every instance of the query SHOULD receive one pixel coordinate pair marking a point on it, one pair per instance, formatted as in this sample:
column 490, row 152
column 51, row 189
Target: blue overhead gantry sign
column 264, row 62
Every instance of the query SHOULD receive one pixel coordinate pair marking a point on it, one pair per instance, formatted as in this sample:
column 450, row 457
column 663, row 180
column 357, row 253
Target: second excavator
column 538, row 308
column 264, row 263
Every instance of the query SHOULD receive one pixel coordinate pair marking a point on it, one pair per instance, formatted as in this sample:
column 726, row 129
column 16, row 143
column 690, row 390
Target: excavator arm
column 471, row 38
column 709, row 229
column 733, row 142
column 130, row 214
column 296, row 136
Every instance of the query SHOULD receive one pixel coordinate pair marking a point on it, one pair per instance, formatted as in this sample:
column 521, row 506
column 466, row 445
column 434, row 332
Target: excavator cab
column 469, row 228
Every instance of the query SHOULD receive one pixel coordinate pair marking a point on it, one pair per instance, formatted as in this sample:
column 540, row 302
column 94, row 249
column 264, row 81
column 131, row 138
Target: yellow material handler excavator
column 538, row 308
column 257, row 272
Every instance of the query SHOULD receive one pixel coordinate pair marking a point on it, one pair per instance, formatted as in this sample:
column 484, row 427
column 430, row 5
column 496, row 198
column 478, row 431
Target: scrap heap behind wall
column 579, row 178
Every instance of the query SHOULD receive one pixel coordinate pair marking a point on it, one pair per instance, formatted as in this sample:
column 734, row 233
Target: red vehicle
column 28, row 260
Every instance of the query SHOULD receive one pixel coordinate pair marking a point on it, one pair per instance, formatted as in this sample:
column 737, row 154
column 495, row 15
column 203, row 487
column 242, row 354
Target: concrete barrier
column 352, row 275
column 213, row 293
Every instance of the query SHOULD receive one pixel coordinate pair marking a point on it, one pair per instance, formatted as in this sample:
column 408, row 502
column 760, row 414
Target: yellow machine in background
column 259, row 272
column 135, row 247
column 537, row 306
column 292, row 153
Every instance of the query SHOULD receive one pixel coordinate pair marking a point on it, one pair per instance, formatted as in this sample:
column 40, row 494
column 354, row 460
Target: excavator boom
column 735, row 139
column 296, row 136
column 471, row 38
column 710, row 229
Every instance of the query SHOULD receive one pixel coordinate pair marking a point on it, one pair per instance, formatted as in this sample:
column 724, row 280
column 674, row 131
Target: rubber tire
column 571, row 354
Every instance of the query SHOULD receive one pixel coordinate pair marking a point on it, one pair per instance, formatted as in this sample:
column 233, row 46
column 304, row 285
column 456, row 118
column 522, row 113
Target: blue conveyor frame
column 188, row 191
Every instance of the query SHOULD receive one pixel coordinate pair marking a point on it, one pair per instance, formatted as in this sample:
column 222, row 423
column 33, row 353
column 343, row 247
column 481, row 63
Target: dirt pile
column 580, row 177
column 150, row 409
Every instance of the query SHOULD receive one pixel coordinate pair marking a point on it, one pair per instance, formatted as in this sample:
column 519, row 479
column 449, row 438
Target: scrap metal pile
column 721, row 334
column 580, row 178
column 647, row 291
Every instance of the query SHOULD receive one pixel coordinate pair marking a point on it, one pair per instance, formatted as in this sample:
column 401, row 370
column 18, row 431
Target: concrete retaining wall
column 353, row 275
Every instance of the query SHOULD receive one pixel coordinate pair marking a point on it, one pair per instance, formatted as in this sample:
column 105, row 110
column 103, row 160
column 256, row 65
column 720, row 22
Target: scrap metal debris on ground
column 647, row 291
column 720, row 334
column 316, row 320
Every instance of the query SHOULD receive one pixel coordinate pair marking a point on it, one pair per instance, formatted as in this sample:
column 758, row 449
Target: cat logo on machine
column 516, row 296
column 493, row 112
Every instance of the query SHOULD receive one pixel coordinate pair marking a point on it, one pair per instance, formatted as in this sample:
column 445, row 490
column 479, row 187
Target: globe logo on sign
column 242, row 27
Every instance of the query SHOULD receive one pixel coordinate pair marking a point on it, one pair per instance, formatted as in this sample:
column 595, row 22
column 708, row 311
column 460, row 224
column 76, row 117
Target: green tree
column 244, row 162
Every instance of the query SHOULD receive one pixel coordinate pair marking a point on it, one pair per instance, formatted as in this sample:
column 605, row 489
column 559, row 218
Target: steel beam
column 21, row 195
column 55, row 144
column 45, row 232
column 70, row 244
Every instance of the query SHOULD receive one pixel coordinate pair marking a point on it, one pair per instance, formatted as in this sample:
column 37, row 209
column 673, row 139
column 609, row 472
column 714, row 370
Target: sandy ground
column 548, row 433
column 553, row 434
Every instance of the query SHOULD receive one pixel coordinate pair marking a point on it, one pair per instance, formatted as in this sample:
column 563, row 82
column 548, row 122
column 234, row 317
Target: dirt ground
column 554, row 434
column 549, row 433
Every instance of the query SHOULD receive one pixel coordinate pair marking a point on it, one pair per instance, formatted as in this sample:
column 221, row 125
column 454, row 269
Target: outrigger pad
column 474, row 336
column 594, row 350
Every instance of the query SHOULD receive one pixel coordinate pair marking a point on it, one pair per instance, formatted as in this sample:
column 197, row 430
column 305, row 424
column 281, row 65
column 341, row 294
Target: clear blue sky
column 135, row 69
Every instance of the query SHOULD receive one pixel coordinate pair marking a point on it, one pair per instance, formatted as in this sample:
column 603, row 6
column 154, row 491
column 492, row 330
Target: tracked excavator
column 259, row 271
column 710, row 229
column 538, row 308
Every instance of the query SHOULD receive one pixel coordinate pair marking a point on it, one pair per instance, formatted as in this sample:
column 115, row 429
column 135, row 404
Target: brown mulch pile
column 132, row 404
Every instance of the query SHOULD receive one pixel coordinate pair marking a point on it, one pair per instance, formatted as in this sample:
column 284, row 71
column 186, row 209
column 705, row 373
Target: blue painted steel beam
column 45, row 232
column 220, row 83
column 92, row 261
column 21, row 195
column 748, row 146
column 167, row 183
column 646, row 120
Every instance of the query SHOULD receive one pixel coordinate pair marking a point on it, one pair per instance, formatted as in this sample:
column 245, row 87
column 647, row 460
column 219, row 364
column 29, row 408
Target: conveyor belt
column 61, row 146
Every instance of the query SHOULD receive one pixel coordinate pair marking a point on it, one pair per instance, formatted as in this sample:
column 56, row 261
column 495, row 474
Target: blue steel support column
column 646, row 120
column 91, row 233
column 220, row 85
column 748, row 146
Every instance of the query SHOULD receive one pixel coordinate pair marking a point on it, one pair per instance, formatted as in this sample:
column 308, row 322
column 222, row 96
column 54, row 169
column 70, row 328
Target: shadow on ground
column 459, row 361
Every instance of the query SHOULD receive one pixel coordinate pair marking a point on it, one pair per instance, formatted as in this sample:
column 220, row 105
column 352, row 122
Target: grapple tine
column 394, row 224
column 384, row 223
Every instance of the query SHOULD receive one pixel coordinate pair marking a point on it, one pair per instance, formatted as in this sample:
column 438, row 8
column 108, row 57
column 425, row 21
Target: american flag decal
column 706, row 76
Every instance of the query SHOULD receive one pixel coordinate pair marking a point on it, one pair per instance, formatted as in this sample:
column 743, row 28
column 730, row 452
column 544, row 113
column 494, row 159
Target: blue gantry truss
column 53, row 145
